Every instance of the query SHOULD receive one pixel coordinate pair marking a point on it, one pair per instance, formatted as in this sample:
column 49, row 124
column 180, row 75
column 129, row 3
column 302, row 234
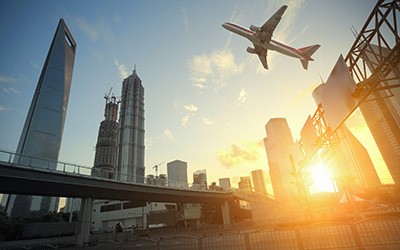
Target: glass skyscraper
column 44, row 125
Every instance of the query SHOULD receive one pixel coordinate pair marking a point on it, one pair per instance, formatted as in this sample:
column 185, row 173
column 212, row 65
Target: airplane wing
column 265, row 32
column 262, row 54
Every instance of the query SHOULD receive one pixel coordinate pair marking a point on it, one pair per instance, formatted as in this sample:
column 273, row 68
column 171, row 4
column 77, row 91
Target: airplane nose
column 225, row 26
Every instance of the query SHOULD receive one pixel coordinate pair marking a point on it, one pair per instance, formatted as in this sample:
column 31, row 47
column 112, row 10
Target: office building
column 245, row 184
column 259, row 181
column 200, row 180
column 177, row 174
column 280, row 148
column 106, row 147
column 382, row 111
column 42, row 133
column 225, row 183
column 130, row 149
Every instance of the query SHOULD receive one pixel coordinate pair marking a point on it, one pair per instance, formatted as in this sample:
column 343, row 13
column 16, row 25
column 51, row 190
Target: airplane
column 261, row 37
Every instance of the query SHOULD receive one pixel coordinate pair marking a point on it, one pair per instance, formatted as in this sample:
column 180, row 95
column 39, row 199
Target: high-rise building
column 280, row 149
column 225, row 183
column 44, row 124
column 177, row 174
column 200, row 180
column 106, row 147
column 348, row 157
column 259, row 181
column 382, row 111
column 245, row 184
column 130, row 149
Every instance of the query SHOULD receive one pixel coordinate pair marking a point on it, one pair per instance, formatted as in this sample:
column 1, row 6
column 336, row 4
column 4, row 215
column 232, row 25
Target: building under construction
column 106, row 146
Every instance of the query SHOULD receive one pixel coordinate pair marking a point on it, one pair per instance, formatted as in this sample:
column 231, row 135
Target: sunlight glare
column 321, row 180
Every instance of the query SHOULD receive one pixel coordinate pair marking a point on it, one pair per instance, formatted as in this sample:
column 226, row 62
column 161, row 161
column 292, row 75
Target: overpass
column 32, row 176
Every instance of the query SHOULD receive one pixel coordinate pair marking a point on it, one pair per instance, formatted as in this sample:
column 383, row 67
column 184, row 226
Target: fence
column 328, row 235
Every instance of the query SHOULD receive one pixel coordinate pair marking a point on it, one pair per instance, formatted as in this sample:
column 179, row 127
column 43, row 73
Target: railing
column 329, row 235
column 19, row 160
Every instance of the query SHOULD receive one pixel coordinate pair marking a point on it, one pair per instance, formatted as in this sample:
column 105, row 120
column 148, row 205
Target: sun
column 321, row 179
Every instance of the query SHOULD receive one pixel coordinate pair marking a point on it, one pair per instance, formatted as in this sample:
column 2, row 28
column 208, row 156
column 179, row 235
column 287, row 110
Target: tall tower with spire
column 130, row 149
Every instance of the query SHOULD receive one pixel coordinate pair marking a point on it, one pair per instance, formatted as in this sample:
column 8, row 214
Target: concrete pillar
column 84, row 220
column 226, row 214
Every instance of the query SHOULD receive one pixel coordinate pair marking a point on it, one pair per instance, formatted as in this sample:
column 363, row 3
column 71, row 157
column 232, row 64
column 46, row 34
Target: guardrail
column 75, row 169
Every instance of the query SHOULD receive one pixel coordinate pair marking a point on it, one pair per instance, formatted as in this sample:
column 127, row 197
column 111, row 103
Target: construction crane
column 107, row 96
column 156, row 167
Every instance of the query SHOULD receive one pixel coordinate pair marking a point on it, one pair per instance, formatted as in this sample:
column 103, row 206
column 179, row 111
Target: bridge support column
column 84, row 220
column 226, row 214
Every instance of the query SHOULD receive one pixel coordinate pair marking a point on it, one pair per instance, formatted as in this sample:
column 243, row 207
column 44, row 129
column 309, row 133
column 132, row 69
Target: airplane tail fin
column 307, row 52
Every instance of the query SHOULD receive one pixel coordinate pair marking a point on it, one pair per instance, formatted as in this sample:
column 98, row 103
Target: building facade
column 382, row 111
column 280, row 148
column 245, row 184
column 177, row 174
column 44, row 124
column 225, row 183
column 130, row 149
column 200, row 180
column 106, row 147
column 259, row 181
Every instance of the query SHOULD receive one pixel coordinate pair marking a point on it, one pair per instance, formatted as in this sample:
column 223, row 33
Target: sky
column 206, row 99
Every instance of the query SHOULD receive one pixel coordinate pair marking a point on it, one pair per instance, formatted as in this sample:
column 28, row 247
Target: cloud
column 190, row 108
column 3, row 108
column 185, row 120
column 213, row 70
column 123, row 72
column 97, row 56
column 207, row 121
column 7, row 79
column 32, row 63
column 237, row 154
column 168, row 133
column 242, row 96
column 88, row 30
column 185, row 19
column 99, row 29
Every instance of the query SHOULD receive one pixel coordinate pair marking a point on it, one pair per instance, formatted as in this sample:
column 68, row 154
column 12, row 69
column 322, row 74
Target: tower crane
column 156, row 168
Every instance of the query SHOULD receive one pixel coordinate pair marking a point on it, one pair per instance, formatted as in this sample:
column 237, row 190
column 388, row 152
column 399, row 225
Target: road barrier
column 379, row 231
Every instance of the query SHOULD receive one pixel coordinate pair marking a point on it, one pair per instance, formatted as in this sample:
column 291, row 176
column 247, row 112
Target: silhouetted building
column 382, row 111
column 44, row 124
column 245, row 184
column 160, row 180
column 259, row 181
column 106, row 147
column 177, row 174
column 280, row 147
column 130, row 150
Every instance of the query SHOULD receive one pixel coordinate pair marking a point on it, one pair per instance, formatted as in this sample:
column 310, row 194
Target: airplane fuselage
column 272, row 45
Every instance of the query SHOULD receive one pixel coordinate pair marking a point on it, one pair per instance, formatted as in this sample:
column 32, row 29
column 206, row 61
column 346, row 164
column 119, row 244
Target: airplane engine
column 254, row 28
column 251, row 50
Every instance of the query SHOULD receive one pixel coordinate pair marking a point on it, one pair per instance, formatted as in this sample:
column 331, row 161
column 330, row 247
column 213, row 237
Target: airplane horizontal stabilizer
column 307, row 52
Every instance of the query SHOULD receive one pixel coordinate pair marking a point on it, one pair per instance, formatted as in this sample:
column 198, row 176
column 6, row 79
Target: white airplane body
column 261, row 37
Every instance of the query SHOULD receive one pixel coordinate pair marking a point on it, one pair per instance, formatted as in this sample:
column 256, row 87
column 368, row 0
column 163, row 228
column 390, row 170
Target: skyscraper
column 259, row 181
column 280, row 148
column 348, row 157
column 104, row 160
column 44, row 124
column 177, row 174
column 130, row 149
column 382, row 111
